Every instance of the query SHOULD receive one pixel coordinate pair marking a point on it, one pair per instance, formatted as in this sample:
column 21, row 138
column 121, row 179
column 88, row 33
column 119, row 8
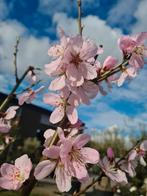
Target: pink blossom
column 29, row 95
column 129, row 72
column 73, row 64
column 13, row 176
column 10, row 113
column 68, row 158
column 114, row 173
column 46, row 167
column 135, row 47
column 63, row 106
column 48, row 135
column 4, row 126
column 130, row 163
column 88, row 90
column 75, row 156
column 77, row 58
column 5, row 118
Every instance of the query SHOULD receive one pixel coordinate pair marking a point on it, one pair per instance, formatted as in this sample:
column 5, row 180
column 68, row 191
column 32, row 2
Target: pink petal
column 81, row 140
column 90, row 155
column 110, row 153
column 23, row 98
column 140, row 39
column 88, row 50
column 74, row 75
column 63, row 180
column 89, row 72
column 80, row 170
column 48, row 133
column 143, row 145
column 11, row 112
column 57, row 83
column 9, row 184
column 7, row 170
column 52, row 99
column 132, row 155
column 52, row 152
column 57, row 115
column 43, row 169
column 66, row 148
column 4, row 127
column 126, row 43
column 72, row 114
column 90, row 88
column 52, row 68
column 122, row 78
column 142, row 161
column 24, row 164
column 109, row 62
column 82, row 96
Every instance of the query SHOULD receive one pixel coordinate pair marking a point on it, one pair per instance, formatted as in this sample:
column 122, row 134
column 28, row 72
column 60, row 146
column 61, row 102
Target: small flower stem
column 79, row 4
column 10, row 96
column 94, row 181
column 116, row 69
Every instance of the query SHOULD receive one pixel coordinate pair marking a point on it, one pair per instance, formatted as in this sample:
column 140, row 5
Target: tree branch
column 79, row 4
column 10, row 96
column 15, row 59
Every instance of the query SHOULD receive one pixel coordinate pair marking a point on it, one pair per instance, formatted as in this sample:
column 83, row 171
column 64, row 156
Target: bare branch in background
column 15, row 59
column 79, row 3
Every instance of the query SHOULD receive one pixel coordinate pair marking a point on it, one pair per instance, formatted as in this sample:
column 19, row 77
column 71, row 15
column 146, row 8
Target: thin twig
column 10, row 96
column 28, row 88
column 15, row 59
column 94, row 181
column 79, row 4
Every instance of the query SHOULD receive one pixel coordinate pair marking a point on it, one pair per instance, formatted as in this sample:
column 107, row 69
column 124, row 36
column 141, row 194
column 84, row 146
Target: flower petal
column 43, row 169
column 143, row 145
column 90, row 155
column 24, row 164
column 52, row 152
column 72, row 114
column 52, row 99
column 57, row 115
column 58, row 83
column 81, row 140
column 63, row 180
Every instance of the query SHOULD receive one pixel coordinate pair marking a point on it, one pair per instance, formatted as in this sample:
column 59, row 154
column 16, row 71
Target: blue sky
column 37, row 21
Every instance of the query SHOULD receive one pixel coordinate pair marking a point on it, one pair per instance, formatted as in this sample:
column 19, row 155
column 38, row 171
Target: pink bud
column 110, row 153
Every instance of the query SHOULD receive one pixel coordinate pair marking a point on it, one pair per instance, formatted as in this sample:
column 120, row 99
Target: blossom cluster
column 5, row 118
column 77, row 78
column 76, row 72
column 117, row 169
column 68, row 158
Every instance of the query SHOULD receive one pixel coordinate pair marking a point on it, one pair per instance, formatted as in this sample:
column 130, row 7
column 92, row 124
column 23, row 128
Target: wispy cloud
column 122, row 14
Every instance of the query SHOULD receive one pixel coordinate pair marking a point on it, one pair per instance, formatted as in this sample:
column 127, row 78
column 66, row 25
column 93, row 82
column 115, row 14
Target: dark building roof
column 32, row 119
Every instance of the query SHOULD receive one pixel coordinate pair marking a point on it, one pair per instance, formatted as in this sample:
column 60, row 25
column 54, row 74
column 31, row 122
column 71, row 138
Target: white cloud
column 141, row 16
column 94, row 28
column 122, row 13
column 32, row 50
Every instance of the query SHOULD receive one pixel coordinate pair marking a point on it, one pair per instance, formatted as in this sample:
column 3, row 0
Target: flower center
column 76, row 60
column 139, row 50
column 77, row 156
